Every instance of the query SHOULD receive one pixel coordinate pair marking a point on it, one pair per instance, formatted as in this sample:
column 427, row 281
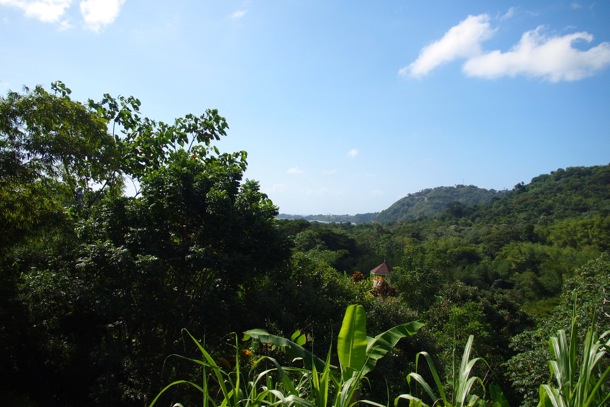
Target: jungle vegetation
column 100, row 287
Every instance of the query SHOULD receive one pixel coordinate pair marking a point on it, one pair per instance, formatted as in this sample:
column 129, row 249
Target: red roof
column 382, row 270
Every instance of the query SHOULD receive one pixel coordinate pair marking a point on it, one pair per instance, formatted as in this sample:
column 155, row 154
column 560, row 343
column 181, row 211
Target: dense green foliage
column 97, row 285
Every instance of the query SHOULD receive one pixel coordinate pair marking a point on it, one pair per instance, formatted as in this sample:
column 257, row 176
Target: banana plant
column 357, row 353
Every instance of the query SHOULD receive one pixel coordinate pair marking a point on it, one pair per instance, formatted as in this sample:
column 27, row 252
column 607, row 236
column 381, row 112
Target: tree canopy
column 97, row 283
column 106, row 281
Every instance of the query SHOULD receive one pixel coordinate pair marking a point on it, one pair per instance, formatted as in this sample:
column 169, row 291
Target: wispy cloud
column 294, row 170
column 96, row 13
column 100, row 13
column 509, row 14
column 276, row 188
column 553, row 58
column 461, row 41
column 238, row 14
column 353, row 153
column 65, row 25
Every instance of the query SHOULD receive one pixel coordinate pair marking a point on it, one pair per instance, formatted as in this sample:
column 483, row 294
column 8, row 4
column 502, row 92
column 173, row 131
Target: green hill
column 573, row 192
column 563, row 193
column 429, row 202
column 423, row 204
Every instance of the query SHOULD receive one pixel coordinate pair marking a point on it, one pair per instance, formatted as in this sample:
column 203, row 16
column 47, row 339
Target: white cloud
column 238, row 14
column 96, row 13
column 461, row 41
column 47, row 11
column 294, row 170
column 353, row 153
column 552, row 58
column 99, row 13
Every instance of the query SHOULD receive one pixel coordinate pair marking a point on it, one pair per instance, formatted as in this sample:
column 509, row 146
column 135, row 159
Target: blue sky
column 344, row 107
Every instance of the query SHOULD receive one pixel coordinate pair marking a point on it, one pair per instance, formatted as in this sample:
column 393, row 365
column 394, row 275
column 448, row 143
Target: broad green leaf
column 352, row 342
column 294, row 350
column 381, row 344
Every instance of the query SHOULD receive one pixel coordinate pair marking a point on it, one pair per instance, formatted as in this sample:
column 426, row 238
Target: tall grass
column 581, row 374
column 222, row 388
column 462, row 382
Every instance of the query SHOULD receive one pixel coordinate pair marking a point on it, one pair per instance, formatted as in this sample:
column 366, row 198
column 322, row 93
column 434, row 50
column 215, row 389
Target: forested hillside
column 574, row 192
column 563, row 193
column 97, row 287
column 423, row 204
column 429, row 202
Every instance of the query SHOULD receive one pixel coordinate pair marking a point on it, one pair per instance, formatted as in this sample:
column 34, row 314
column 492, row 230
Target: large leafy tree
column 98, row 297
column 189, row 252
column 53, row 151
column 55, row 156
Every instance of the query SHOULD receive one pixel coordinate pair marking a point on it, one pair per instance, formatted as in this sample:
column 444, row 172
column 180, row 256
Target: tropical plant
column 461, row 382
column 318, row 383
column 224, row 387
column 357, row 353
column 581, row 375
